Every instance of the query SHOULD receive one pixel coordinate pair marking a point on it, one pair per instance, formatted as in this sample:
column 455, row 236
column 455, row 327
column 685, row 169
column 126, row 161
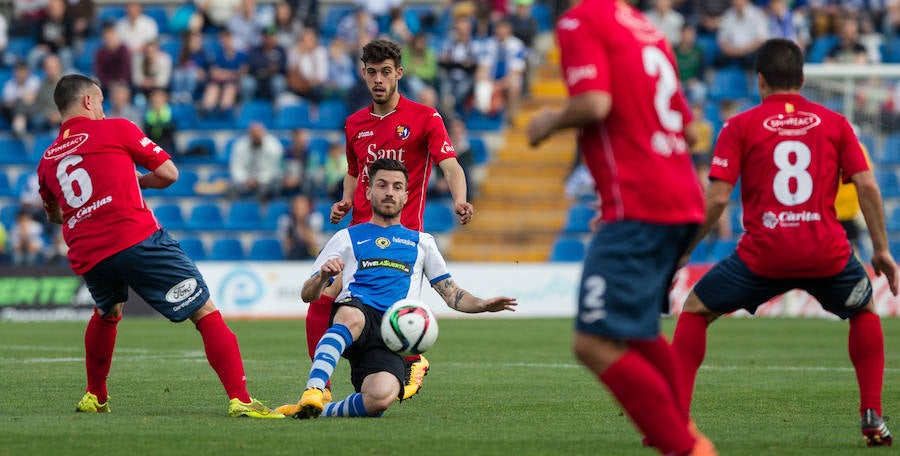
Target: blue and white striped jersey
column 383, row 265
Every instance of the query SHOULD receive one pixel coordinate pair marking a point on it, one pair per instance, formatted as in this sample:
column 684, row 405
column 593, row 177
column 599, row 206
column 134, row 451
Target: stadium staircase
column 521, row 206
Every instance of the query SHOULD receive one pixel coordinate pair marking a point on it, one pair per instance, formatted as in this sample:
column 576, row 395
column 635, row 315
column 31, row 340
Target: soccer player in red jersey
column 790, row 154
column 634, row 130
column 89, row 184
column 409, row 132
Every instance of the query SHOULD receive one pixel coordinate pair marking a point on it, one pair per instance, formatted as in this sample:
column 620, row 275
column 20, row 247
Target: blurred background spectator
column 19, row 95
column 255, row 165
column 301, row 228
column 45, row 115
column 296, row 156
column 151, row 70
column 112, row 62
column 267, row 63
column 120, row 104
column 26, row 238
column 159, row 124
column 228, row 67
column 136, row 29
column 191, row 68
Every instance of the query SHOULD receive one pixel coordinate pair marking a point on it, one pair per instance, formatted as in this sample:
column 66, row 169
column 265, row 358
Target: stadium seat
column 567, row 249
column 722, row 248
column 820, row 47
column 110, row 14
column 226, row 249
column 888, row 183
column 184, row 115
column 729, row 83
column 318, row 150
column 84, row 60
column 892, row 51
column 244, row 215
column 479, row 151
column 8, row 215
column 478, row 121
column 543, row 16
column 274, row 212
column 266, row 249
column 324, row 209
column 579, row 219
column 869, row 142
column 707, row 42
column 891, row 154
column 198, row 145
column 12, row 151
column 184, row 186
column 42, row 141
column 20, row 47
column 255, row 111
column 5, row 188
column 194, row 248
column 333, row 16
column 330, row 115
column 171, row 45
column 169, row 216
column 893, row 220
column 438, row 218
column 293, row 116
column 159, row 15
column 205, row 217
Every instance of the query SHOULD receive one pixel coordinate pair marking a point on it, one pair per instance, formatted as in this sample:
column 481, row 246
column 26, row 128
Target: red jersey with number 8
column 790, row 155
column 90, row 172
column 638, row 155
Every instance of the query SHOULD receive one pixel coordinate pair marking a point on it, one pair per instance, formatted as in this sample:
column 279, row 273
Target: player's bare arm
column 163, row 176
column 315, row 285
column 580, row 110
column 463, row 301
column 342, row 207
column 54, row 212
column 870, row 204
column 717, row 194
column 456, row 180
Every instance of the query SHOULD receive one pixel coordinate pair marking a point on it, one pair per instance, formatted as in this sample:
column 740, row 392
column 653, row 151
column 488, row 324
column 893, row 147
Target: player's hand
column 465, row 211
column 498, row 304
column 339, row 210
column 884, row 263
column 540, row 127
column 331, row 268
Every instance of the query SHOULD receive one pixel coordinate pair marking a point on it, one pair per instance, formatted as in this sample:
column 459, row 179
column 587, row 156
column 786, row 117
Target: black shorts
column 369, row 355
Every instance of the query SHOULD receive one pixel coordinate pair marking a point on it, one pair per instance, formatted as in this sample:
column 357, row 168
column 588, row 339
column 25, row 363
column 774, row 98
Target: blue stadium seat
column 202, row 142
column 700, row 254
column 181, row 18
column 226, row 249
column 438, row 218
column 194, row 248
column 171, row 45
column 159, row 14
column 891, row 149
column 184, row 115
column 244, row 215
column 318, row 150
column 722, row 248
column 42, row 141
column 330, row 115
column 205, row 217
column 266, row 249
column 888, row 183
column 84, row 60
column 478, row 150
column 543, row 15
column 567, row 249
column 820, row 47
column 892, row 51
column 109, row 14
column 579, row 219
column 255, row 111
column 184, row 186
column 274, row 212
column 869, row 142
column 12, row 151
column 5, row 188
column 20, row 47
column 333, row 16
column 8, row 215
column 478, row 121
column 293, row 116
column 324, row 208
column 707, row 42
column 893, row 220
column 169, row 216
column 729, row 83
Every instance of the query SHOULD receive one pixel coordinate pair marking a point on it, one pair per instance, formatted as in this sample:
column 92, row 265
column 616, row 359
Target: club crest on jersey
column 402, row 132
column 792, row 124
column 382, row 242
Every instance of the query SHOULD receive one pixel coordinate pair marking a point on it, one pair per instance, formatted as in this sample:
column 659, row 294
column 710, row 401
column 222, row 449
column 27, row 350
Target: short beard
column 386, row 214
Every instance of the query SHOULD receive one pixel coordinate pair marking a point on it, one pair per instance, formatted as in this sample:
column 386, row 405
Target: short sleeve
column 143, row 150
column 852, row 158
column 334, row 248
column 439, row 146
column 584, row 61
column 433, row 265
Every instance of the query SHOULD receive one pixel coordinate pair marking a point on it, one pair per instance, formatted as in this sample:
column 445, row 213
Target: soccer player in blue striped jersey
column 382, row 262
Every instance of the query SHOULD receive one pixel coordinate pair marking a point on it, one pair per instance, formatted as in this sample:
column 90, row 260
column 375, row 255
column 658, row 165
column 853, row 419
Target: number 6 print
column 66, row 181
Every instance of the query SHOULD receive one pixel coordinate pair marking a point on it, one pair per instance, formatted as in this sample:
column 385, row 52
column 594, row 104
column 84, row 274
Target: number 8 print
column 67, row 181
column 788, row 171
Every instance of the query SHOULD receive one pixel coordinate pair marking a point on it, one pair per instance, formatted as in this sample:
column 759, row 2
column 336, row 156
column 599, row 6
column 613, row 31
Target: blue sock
column 328, row 352
column 351, row 407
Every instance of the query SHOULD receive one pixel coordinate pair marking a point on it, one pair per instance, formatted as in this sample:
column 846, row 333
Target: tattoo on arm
column 459, row 296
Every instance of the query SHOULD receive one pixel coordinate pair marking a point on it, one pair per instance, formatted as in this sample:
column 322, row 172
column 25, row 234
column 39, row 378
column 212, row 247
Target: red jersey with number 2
column 90, row 172
column 789, row 154
column 412, row 133
column 638, row 155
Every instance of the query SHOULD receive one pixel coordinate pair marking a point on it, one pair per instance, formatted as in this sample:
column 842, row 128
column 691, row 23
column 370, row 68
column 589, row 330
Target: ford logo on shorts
column 181, row 291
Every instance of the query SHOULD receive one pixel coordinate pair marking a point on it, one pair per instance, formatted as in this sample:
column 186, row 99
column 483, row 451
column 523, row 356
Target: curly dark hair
column 377, row 51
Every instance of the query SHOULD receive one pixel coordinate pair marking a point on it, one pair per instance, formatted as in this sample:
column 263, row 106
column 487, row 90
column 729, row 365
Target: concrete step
column 500, row 252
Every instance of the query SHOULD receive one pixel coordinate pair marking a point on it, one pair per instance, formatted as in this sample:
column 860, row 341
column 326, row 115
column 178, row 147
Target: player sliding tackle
column 382, row 262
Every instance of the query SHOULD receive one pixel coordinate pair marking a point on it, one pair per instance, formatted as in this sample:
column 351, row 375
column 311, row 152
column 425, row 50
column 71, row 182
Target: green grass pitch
column 497, row 387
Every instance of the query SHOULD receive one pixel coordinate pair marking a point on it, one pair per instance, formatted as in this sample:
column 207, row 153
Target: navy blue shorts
column 627, row 274
column 730, row 286
column 368, row 354
column 157, row 270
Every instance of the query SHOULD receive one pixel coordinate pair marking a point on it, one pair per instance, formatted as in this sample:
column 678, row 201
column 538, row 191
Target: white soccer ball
column 408, row 327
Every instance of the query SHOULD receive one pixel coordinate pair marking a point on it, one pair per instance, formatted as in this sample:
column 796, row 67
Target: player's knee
column 114, row 312
column 694, row 305
column 352, row 318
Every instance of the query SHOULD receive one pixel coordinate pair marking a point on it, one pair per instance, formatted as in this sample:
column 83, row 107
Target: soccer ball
column 408, row 327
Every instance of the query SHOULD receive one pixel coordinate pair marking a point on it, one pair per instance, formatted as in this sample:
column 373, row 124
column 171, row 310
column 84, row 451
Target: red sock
column 660, row 354
column 646, row 398
column 866, row 346
column 99, row 342
column 318, row 319
column 224, row 355
column 689, row 345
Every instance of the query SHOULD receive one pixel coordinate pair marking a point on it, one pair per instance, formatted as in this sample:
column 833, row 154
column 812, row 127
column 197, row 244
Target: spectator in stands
column 136, row 29
column 306, row 11
column 307, row 67
column 379, row 10
column 112, row 62
column 848, row 48
column 328, row 176
column 5, row 58
column 783, row 24
column 151, row 69
column 216, row 13
column 870, row 38
column 691, row 65
column 667, row 20
column 420, row 67
column 342, row 71
column 246, row 26
column 4, row 242
column 301, row 228
column 19, row 95
column 458, row 60
column 45, row 115
column 26, row 15
column 81, row 15
column 459, row 137
column 743, row 30
column 228, row 67
column 710, row 13
column 358, row 28
column 524, row 24
column 701, row 150
column 54, row 36
column 255, row 165
column 503, row 65
column 295, row 163
column 159, row 124
column 288, row 25
column 191, row 68
column 398, row 30
column 267, row 63
column 26, row 238
column 121, row 104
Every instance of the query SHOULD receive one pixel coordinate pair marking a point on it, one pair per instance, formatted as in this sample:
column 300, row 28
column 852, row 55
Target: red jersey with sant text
column 413, row 134
column 789, row 154
column 90, row 171
column 638, row 155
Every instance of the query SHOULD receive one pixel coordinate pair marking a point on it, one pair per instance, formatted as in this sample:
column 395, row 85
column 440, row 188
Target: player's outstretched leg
column 351, row 407
column 328, row 352
column 99, row 343
column 416, row 370
column 866, row 347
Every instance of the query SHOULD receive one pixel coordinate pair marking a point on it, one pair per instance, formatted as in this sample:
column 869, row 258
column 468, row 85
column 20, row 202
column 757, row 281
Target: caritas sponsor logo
column 789, row 219
column 793, row 124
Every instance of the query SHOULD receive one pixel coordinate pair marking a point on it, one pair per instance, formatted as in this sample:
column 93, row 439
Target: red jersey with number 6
column 413, row 134
column 790, row 155
column 638, row 155
column 90, row 172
